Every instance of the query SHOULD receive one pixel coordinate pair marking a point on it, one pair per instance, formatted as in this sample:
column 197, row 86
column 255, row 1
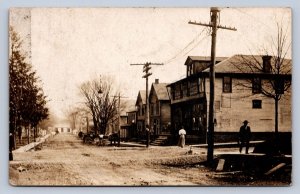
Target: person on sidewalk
column 147, row 135
column 244, row 136
column 182, row 134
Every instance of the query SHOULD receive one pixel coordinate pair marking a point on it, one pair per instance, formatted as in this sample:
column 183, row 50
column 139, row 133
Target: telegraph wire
column 186, row 47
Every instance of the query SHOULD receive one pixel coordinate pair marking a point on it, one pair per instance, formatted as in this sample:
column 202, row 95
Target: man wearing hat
column 244, row 136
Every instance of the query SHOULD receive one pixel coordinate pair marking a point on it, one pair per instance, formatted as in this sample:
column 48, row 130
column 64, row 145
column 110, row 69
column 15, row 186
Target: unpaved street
column 64, row 160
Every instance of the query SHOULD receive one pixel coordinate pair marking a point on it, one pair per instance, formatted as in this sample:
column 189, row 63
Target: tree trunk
column 34, row 134
column 276, row 124
column 20, row 134
column 28, row 134
column 276, row 116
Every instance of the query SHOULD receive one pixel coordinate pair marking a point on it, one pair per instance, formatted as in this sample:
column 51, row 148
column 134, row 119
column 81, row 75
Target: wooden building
column 189, row 101
column 237, row 97
column 160, row 112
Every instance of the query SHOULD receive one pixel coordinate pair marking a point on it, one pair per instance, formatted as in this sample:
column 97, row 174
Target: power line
column 195, row 45
column 186, row 47
column 251, row 16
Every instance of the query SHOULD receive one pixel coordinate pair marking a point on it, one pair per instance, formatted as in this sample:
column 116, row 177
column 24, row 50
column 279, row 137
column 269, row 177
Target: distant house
column 127, row 120
column 131, row 122
column 160, row 112
column 141, row 111
column 234, row 101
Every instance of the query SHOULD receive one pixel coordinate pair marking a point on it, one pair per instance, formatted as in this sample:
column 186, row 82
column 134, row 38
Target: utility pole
column 214, row 14
column 146, row 69
column 119, row 117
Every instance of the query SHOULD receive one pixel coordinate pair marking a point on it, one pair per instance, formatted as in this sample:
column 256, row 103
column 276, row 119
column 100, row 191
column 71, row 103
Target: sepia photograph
column 150, row 96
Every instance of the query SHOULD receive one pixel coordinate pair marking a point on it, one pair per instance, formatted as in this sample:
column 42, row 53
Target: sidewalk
column 31, row 145
column 227, row 144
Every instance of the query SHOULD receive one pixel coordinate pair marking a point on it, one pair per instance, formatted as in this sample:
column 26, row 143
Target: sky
column 69, row 46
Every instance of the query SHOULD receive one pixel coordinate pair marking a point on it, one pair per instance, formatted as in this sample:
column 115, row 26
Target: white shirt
column 182, row 132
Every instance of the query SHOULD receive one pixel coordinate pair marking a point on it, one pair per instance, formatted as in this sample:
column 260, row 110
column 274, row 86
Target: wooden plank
column 220, row 165
column 275, row 168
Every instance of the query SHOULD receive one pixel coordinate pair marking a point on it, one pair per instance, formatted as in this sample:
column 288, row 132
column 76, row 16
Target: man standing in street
column 244, row 136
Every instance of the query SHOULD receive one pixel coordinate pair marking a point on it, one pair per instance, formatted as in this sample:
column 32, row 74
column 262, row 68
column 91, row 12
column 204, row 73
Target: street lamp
column 100, row 92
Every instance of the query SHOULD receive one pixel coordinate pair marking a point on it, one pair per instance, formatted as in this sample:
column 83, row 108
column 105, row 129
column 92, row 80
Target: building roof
column 161, row 91
column 248, row 64
column 202, row 58
column 142, row 93
column 127, row 106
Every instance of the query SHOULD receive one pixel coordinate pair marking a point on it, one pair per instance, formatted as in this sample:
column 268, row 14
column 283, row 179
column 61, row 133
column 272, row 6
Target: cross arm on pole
column 210, row 25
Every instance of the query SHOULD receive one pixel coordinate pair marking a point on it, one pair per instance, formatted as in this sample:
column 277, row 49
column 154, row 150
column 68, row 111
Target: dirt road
column 65, row 160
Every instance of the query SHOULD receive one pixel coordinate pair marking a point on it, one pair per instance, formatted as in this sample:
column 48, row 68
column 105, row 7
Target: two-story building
column 238, row 96
column 244, row 85
column 189, row 101
column 160, row 112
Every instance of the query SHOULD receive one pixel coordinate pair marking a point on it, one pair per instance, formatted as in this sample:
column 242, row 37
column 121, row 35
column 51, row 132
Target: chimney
column 267, row 63
column 156, row 81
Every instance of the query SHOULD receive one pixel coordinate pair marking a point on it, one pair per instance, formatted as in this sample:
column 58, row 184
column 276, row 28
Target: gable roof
column 247, row 64
column 161, row 91
column 141, row 95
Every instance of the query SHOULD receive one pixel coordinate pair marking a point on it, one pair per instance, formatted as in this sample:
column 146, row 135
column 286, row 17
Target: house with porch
column 238, row 97
column 189, row 101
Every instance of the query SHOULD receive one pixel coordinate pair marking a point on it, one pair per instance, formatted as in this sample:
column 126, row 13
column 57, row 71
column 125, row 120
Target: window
column 200, row 85
column 227, row 85
column 178, row 91
column 256, row 85
column 173, row 92
column 183, row 89
column 190, row 69
column 193, row 87
column 256, row 103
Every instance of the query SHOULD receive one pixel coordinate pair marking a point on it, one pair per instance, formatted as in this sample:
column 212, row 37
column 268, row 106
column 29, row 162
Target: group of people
column 243, row 139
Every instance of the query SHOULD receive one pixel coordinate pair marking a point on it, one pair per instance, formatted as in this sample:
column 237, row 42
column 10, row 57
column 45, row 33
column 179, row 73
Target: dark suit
column 244, row 137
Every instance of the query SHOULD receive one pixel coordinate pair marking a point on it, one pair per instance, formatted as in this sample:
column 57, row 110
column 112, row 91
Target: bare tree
column 72, row 114
column 270, row 74
column 102, row 100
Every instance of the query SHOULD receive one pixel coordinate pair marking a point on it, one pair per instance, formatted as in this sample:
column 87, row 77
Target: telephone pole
column 119, row 116
column 146, row 69
column 214, row 15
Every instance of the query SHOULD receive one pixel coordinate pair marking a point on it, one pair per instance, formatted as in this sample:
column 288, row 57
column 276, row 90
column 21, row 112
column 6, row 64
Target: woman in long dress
column 182, row 134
